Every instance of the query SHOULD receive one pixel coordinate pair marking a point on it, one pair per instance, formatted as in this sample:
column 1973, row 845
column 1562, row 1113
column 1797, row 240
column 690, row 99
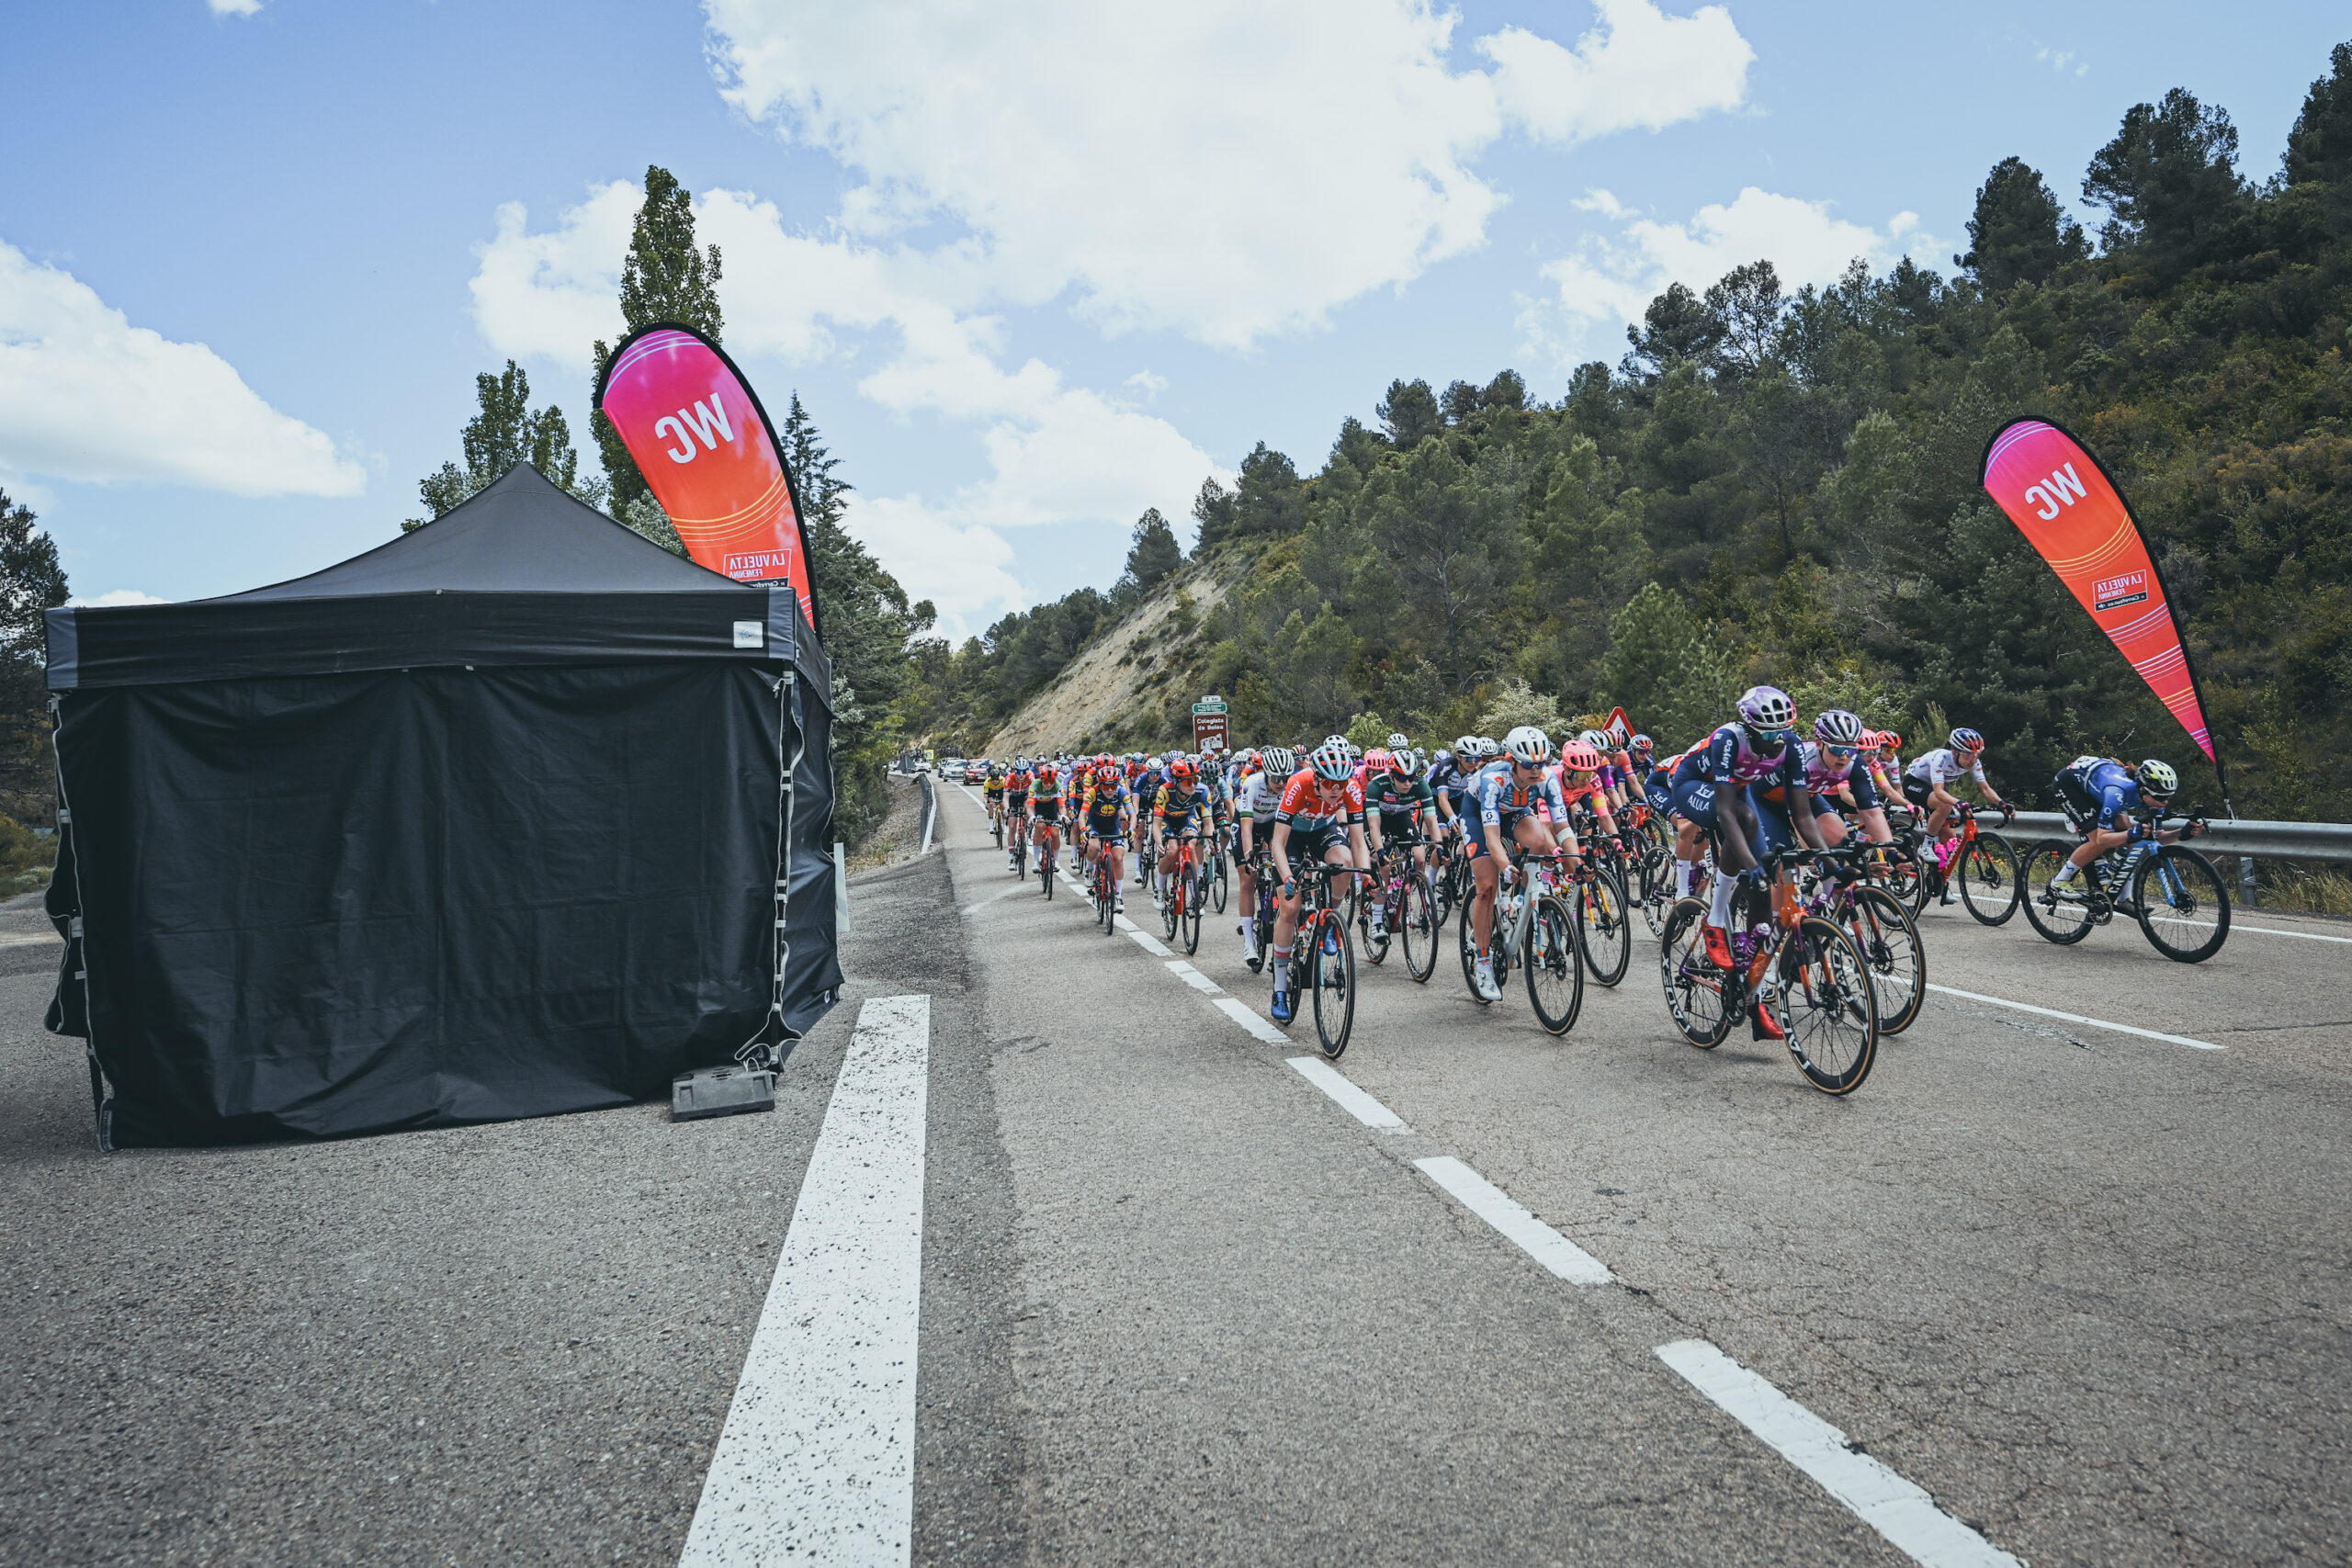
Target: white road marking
column 2079, row 1018
column 1898, row 1510
column 1023, row 885
column 930, row 820
column 1346, row 1095
column 1242, row 1014
column 1143, row 938
column 47, row 938
column 1195, row 978
column 2280, row 930
column 815, row 1462
column 1499, row 1209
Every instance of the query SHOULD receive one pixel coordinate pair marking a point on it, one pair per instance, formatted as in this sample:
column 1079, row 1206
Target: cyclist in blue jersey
column 1508, row 797
column 2106, row 798
column 1714, row 786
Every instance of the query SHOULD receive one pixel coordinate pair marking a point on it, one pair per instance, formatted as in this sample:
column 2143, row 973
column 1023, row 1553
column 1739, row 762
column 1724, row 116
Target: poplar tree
column 663, row 278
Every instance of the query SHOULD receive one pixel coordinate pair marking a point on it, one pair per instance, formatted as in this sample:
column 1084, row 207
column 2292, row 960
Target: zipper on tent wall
column 773, row 1031
column 101, row 1103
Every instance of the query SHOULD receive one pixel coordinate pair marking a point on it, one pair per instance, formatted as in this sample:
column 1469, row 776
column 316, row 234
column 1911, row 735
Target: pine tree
column 2019, row 233
column 1662, row 670
column 663, row 278
column 2170, row 184
column 1410, row 413
column 503, row 433
column 1154, row 553
column 31, row 582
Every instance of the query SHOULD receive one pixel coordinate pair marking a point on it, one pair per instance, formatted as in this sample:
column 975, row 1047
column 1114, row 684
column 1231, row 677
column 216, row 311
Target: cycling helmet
column 1766, row 708
column 1965, row 739
column 1331, row 760
column 1528, row 745
column 1836, row 726
column 1183, row 770
column 1404, row 764
column 1378, row 758
column 1280, row 761
column 1598, row 739
column 1465, row 746
column 1397, row 742
column 1641, row 743
column 2156, row 777
column 1579, row 758
column 1488, row 746
column 1890, row 740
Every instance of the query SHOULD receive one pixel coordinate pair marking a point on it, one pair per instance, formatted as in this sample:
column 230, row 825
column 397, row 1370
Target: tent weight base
column 720, row 1092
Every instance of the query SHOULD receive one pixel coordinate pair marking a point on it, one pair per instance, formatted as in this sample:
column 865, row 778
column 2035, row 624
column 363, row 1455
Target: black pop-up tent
column 489, row 822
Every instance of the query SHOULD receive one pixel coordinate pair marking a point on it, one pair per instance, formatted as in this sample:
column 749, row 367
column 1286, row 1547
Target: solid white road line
column 815, row 1462
column 1347, row 1096
column 1499, row 1209
column 2277, row 930
column 1195, row 978
column 1895, row 1509
column 1242, row 1014
column 2079, row 1018
column 45, row 938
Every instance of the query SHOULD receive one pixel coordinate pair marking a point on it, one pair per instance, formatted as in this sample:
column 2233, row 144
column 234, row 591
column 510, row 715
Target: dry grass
column 2314, row 891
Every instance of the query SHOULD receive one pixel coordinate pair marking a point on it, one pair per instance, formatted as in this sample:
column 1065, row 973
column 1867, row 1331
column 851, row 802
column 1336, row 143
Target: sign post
column 1208, row 724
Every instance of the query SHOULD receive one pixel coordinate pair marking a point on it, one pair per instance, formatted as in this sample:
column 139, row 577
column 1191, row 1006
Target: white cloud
column 1224, row 169
column 963, row 569
column 1612, row 279
column 119, row 596
column 233, row 8
column 549, row 296
column 1146, row 383
column 1638, row 69
column 85, row 395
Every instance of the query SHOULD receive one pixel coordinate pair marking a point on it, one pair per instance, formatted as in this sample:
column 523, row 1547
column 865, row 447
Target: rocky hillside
column 1133, row 683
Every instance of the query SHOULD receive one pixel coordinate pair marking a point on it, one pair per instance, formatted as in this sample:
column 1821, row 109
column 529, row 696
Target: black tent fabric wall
column 486, row 823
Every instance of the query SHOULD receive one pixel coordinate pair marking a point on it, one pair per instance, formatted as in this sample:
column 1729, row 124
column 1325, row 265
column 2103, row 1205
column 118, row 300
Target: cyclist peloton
column 1321, row 813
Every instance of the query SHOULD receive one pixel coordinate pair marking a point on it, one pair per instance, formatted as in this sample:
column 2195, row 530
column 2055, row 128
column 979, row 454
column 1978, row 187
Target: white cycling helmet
column 1465, row 746
column 1529, row 745
column 1488, row 747
column 1596, row 739
column 2156, row 777
column 1836, row 726
column 1280, row 761
column 1331, row 760
column 1767, row 707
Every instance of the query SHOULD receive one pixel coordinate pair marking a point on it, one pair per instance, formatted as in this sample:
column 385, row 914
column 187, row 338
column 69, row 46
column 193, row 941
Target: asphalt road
column 2085, row 1289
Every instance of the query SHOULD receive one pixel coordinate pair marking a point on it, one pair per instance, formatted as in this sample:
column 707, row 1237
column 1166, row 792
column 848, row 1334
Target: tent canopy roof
column 520, row 574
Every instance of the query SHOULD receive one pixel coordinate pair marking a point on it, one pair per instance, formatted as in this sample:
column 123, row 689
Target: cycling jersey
column 1104, row 803
column 1500, row 794
column 993, row 784
column 1393, row 797
column 1175, row 806
column 1049, row 785
column 2107, row 787
column 1305, row 806
column 1729, row 757
column 1941, row 765
column 1016, row 783
column 1260, row 795
column 1824, row 772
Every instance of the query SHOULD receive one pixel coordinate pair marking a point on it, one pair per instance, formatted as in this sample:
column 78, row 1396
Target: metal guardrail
column 2262, row 841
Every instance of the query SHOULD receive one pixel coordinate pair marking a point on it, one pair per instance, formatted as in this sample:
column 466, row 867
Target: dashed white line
column 1242, row 1014
column 1023, row 885
column 1195, row 978
column 1555, row 1252
column 2079, row 1018
column 1898, row 1510
column 1346, row 1095
column 816, row 1461
column 1143, row 938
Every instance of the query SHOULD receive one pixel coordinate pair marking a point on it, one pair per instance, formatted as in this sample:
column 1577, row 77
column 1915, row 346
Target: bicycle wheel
column 1888, row 939
column 1045, row 875
column 996, row 823
column 1987, row 871
column 1603, row 928
column 1827, row 1008
column 2184, row 905
column 1417, row 927
column 1106, row 893
column 1468, row 942
column 1171, row 905
column 1333, row 968
column 1217, row 892
column 1696, row 991
column 2062, row 915
column 1555, row 976
column 1376, row 947
column 1196, row 906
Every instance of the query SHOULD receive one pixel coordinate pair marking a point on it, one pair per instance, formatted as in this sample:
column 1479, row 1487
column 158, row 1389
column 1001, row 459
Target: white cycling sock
column 2065, row 873
column 1686, row 878
column 1281, row 969
column 1719, row 904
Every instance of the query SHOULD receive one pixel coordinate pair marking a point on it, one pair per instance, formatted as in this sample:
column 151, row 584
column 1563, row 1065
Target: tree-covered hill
column 1784, row 487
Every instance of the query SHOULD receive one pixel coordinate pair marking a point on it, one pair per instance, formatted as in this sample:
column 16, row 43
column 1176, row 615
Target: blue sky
column 1031, row 267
